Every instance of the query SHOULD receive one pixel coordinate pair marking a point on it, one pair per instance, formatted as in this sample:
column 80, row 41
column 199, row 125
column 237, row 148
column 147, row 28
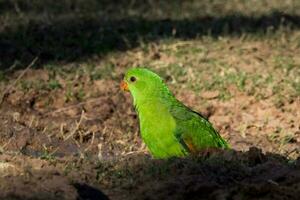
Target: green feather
column 168, row 127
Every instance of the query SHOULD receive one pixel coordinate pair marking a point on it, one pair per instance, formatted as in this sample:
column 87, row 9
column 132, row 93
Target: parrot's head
column 142, row 83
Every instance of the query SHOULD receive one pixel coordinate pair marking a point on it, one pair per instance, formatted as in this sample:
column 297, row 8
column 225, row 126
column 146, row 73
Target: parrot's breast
column 157, row 129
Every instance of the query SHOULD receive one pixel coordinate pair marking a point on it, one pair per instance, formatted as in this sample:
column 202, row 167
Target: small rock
column 7, row 169
column 210, row 94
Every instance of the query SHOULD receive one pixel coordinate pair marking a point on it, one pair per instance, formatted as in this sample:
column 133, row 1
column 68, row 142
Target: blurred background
column 75, row 30
column 65, row 121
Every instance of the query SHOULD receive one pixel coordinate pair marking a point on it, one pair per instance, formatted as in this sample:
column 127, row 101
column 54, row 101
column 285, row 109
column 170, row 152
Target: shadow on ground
column 74, row 37
column 215, row 175
column 220, row 175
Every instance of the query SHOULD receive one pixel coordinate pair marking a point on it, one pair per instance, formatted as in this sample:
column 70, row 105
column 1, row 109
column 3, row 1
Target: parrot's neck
column 159, row 97
column 154, row 101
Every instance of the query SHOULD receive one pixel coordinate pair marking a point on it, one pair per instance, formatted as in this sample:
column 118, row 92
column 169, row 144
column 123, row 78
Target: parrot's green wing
column 193, row 131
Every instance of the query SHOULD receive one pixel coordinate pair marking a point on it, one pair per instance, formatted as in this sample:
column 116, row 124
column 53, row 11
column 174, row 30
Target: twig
column 62, row 130
column 135, row 152
column 76, row 127
column 3, row 146
column 79, row 149
column 92, row 142
column 100, row 152
column 9, row 87
column 11, row 67
column 17, row 8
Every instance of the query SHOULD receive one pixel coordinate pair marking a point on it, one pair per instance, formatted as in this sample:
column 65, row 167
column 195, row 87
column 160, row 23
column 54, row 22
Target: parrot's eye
column 132, row 79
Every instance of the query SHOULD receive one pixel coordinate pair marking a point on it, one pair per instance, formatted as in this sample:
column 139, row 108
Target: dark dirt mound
column 218, row 175
column 222, row 175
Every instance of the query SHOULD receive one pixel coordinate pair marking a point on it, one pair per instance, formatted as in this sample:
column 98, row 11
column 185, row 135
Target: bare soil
column 92, row 150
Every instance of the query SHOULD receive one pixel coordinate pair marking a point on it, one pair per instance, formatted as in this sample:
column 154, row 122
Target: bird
column 168, row 127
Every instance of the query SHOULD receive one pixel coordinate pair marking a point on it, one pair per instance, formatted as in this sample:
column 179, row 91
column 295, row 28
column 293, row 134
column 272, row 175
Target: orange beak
column 124, row 86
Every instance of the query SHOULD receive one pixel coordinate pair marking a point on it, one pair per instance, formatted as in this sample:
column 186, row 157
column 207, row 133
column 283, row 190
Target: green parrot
column 168, row 127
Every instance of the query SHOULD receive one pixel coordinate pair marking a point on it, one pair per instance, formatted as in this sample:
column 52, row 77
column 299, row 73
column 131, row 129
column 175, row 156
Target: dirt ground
column 92, row 150
column 68, row 132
